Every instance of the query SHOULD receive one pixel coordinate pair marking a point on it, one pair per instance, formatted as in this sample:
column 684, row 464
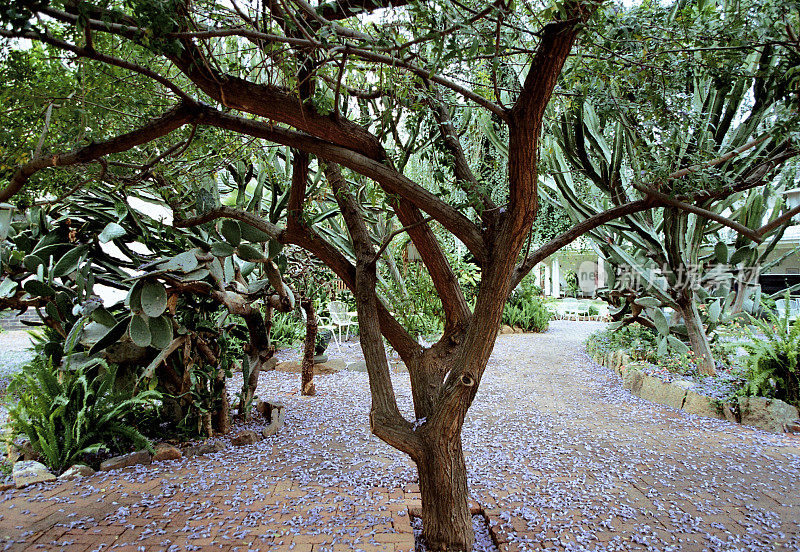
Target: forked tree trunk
column 697, row 336
column 307, row 375
column 443, row 488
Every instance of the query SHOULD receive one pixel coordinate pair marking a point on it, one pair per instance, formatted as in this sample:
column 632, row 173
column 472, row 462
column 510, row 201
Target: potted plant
column 323, row 339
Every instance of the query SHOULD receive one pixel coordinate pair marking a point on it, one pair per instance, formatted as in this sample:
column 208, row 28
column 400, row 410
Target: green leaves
column 35, row 288
column 247, row 252
column 139, row 331
column 221, row 249
column 69, row 262
column 183, row 262
column 231, row 231
column 66, row 414
column 252, row 234
column 721, row 252
column 112, row 231
column 661, row 323
column 649, row 302
column 677, row 345
column 153, row 298
column 160, row 332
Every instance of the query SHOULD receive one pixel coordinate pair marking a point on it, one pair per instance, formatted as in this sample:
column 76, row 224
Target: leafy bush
column 772, row 368
column 286, row 329
column 640, row 342
column 75, row 412
column 531, row 315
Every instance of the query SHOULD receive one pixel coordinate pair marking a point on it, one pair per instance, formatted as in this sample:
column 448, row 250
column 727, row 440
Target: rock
column 633, row 380
column 246, row 437
column 12, row 454
column 20, row 451
column 320, row 359
column 263, row 408
column 518, row 330
column 656, row 390
column 359, row 366
column 276, row 419
column 767, row 414
column 30, row 472
column 695, row 403
column 126, row 460
column 165, row 451
column 793, row 427
column 336, row 364
column 684, row 384
column 505, row 329
column 75, row 471
column 203, row 448
column 5, row 486
column 729, row 413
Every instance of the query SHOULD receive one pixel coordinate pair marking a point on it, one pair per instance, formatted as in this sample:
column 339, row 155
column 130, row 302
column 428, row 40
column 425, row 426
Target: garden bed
column 653, row 383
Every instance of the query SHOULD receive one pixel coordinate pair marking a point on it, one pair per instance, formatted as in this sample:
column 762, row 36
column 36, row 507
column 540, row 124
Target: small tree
column 329, row 83
column 728, row 120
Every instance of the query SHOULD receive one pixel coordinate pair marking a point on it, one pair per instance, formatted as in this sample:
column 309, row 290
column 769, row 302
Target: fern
column 529, row 313
column 70, row 413
column 772, row 366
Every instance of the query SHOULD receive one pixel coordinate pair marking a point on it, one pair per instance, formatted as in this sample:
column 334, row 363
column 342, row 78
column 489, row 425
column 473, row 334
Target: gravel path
column 559, row 456
column 14, row 350
column 577, row 463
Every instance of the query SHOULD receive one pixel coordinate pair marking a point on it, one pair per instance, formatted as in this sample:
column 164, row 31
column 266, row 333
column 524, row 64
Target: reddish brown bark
column 307, row 371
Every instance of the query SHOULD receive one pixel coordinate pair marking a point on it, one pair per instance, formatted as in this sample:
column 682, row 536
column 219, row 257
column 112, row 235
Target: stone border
column 771, row 415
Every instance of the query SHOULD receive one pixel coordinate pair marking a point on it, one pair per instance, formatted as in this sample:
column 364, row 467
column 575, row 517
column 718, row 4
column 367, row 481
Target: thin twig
column 391, row 236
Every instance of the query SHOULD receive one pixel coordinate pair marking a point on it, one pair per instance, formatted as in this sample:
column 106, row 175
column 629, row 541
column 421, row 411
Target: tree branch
column 390, row 180
column 385, row 418
column 575, row 232
column 175, row 118
column 461, row 169
column 672, row 202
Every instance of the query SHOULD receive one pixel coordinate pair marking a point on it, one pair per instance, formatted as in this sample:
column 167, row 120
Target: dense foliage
column 773, row 361
column 654, row 135
column 526, row 308
column 77, row 414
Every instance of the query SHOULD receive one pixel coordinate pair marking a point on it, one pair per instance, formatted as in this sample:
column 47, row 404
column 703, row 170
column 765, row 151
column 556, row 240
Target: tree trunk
column 307, row 376
column 697, row 336
column 443, row 487
column 222, row 416
column 259, row 352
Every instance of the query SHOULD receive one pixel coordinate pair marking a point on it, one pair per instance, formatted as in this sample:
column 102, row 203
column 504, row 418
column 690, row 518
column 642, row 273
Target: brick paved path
column 559, row 456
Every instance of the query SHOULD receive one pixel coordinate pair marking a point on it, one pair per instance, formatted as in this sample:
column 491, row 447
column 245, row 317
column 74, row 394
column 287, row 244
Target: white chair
column 780, row 307
column 794, row 309
column 340, row 318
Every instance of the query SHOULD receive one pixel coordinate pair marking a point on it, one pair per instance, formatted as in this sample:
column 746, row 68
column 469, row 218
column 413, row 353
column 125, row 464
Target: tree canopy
column 430, row 110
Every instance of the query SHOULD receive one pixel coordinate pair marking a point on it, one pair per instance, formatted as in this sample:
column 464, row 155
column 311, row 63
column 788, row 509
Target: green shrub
column 67, row 414
column 531, row 315
column 772, row 368
column 639, row 342
column 286, row 329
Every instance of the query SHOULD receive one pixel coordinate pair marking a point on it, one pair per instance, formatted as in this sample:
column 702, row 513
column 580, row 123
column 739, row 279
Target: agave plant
column 675, row 257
